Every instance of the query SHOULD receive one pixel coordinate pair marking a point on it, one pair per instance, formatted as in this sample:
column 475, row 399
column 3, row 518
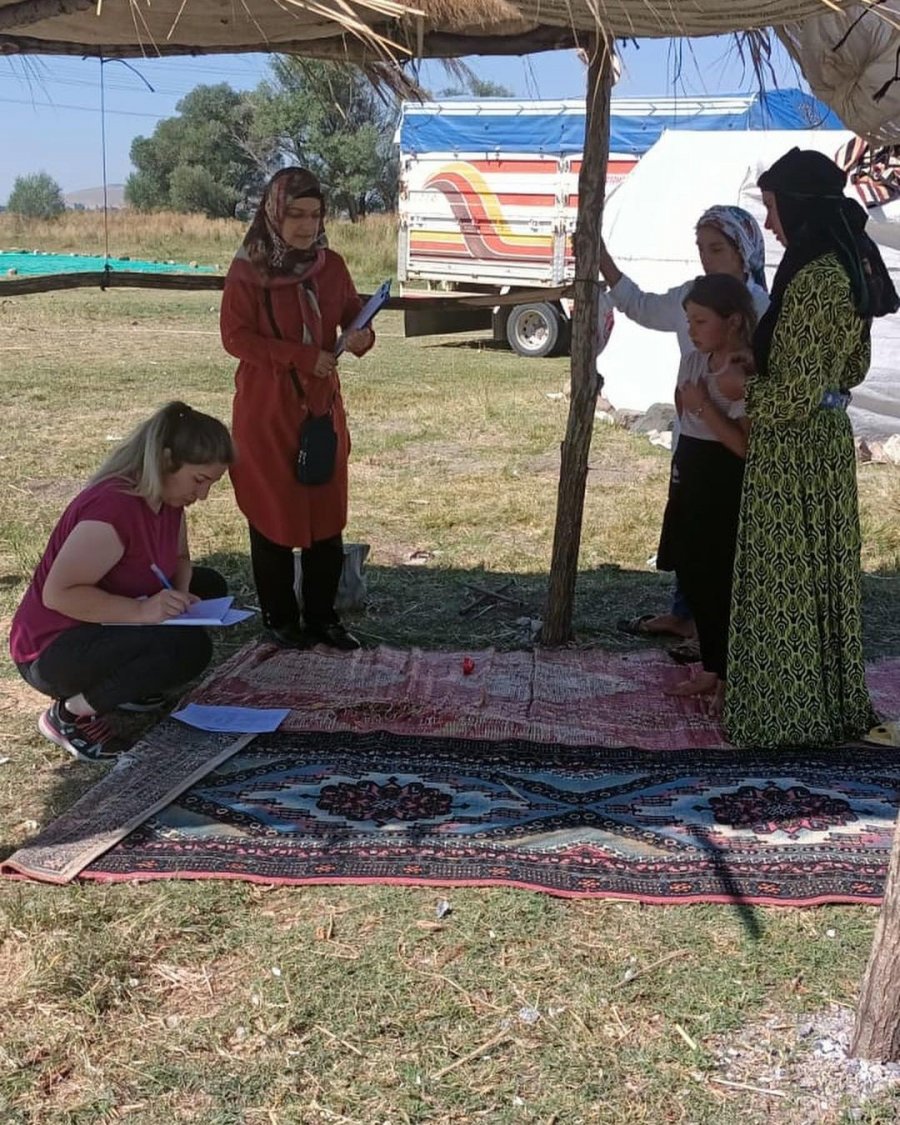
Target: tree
column 476, row 87
column 329, row 118
column 201, row 160
column 877, row 1032
column 37, row 196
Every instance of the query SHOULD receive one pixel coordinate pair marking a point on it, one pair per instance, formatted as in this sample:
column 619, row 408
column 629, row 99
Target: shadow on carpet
column 364, row 783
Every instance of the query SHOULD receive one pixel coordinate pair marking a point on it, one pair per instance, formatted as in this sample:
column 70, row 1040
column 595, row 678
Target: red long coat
column 267, row 411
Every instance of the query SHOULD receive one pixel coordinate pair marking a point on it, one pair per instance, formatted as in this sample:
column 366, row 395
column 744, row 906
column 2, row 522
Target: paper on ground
column 232, row 720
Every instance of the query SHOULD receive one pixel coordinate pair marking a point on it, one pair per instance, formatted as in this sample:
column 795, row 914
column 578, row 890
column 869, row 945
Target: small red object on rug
column 468, row 665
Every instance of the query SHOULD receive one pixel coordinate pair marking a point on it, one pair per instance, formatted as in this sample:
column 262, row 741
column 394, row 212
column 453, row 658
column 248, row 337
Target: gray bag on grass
column 352, row 587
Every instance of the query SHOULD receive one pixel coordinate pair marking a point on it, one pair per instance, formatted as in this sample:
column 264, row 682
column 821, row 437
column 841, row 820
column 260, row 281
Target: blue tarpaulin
column 557, row 128
column 24, row 263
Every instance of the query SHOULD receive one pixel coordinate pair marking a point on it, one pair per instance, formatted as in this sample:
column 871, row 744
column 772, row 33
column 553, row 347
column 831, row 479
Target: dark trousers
column 708, row 591
column 110, row 665
column 273, row 574
column 700, row 536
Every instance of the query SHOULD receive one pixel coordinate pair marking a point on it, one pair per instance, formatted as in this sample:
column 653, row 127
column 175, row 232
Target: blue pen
column 159, row 574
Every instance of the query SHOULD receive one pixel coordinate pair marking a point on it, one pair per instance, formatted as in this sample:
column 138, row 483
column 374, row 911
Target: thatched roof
column 361, row 29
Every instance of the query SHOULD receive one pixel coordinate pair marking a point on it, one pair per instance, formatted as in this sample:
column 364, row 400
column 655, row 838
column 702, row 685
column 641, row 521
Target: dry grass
column 225, row 1003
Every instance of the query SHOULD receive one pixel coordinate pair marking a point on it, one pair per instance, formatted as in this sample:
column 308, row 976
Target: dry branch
column 495, row 1041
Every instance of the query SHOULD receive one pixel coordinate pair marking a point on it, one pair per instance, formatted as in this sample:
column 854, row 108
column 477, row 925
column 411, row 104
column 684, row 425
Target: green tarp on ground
column 26, row 263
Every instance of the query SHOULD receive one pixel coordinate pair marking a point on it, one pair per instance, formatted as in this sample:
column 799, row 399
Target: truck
column 489, row 198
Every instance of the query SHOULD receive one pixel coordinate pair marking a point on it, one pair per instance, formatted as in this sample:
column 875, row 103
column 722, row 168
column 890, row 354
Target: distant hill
column 91, row 199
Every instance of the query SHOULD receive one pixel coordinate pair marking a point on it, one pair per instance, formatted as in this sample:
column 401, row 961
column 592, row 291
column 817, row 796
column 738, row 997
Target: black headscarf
column 818, row 219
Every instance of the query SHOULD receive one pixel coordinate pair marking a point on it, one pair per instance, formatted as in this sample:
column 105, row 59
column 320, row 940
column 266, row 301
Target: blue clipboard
column 366, row 314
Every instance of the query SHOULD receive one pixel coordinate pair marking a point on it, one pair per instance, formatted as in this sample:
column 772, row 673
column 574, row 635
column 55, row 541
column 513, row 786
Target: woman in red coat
column 286, row 297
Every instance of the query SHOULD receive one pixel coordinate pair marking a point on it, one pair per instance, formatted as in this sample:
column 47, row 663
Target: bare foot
column 715, row 705
column 705, row 683
column 668, row 623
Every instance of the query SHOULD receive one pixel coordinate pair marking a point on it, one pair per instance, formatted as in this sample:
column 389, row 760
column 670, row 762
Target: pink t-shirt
column 147, row 536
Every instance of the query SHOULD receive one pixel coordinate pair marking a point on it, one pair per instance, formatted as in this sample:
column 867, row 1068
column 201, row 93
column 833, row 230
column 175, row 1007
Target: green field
column 224, row 1003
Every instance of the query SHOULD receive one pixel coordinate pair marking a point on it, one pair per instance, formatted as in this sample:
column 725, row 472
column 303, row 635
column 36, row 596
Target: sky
column 50, row 119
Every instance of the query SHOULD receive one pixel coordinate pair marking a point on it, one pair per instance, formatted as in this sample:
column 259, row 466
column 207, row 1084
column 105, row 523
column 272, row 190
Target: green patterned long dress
column 795, row 664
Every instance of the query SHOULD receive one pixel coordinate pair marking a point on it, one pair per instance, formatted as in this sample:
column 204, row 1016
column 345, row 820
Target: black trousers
column 273, row 574
column 699, row 538
column 110, row 665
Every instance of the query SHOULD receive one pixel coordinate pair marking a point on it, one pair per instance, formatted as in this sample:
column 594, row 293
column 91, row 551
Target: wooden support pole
column 877, row 1032
column 14, row 286
column 100, row 279
column 585, row 383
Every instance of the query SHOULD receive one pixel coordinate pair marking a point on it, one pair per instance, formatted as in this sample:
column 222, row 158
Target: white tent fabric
column 849, row 58
column 649, row 225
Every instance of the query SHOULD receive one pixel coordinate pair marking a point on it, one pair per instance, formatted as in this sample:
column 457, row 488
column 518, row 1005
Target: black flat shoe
column 289, row 636
column 334, row 635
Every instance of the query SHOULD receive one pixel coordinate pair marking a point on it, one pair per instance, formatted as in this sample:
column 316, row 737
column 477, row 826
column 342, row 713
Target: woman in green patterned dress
column 795, row 665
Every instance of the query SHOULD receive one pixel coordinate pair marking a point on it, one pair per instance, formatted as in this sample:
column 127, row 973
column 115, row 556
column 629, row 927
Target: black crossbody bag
column 317, row 447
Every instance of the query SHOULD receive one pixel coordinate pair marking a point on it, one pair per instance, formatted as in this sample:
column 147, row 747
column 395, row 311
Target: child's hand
column 693, row 397
column 732, row 382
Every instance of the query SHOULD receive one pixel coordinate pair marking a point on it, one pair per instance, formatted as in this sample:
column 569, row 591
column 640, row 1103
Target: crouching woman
column 89, row 631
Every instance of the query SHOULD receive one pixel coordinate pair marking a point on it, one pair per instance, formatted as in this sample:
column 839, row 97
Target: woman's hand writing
column 359, row 340
column 162, row 606
column 325, row 365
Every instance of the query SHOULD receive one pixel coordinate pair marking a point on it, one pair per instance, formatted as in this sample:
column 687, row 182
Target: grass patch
column 221, row 1002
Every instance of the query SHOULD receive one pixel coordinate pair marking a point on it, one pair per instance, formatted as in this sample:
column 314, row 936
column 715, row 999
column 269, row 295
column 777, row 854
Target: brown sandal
column 688, row 652
column 633, row 626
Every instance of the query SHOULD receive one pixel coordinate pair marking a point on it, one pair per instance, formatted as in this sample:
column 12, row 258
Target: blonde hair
column 175, row 435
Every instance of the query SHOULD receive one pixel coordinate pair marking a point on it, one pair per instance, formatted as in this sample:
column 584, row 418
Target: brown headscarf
column 265, row 249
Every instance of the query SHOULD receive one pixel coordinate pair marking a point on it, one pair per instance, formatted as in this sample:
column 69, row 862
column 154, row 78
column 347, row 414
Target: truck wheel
column 533, row 330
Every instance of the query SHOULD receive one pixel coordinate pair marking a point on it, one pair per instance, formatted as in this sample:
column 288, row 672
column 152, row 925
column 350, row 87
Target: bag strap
column 292, row 371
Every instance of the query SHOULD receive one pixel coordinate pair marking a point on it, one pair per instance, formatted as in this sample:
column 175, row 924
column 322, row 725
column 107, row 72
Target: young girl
column 729, row 240
column 700, row 525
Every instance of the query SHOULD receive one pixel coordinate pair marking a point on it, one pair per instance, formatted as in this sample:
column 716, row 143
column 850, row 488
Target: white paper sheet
column 232, row 720
column 213, row 611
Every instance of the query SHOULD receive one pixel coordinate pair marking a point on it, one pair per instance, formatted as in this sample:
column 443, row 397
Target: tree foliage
column 37, row 196
column 475, row 87
column 217, row 153
column 201, row 160
column 329, row 118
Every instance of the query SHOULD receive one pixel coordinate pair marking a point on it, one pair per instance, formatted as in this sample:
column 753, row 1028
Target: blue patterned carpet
column 684, row 826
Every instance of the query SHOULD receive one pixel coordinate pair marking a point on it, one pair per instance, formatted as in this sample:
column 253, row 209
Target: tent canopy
column 656, row 247
column 363, row 29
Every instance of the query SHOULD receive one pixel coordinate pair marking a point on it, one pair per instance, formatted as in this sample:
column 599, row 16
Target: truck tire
column 534, row 330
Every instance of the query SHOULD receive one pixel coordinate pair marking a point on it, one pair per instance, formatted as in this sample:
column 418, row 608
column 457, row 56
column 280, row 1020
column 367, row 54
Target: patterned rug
column 574, row 697
column 695, row 826
column 530, row 769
